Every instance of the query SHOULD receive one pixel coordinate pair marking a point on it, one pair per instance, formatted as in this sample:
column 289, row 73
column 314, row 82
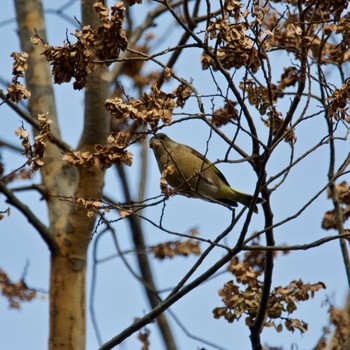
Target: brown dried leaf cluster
column 242, row 38
column 105, row 155
column 109, row 39
column 35, row 152
column 290, row 76
column 15, row 292
column 121, row 138
column 143, row 337
column 325, row 18
column 341, row 321
column 223, row 115
column 7, row 212
column 259, row 96
column 125, row 212
column 75, row 61
column 329, row 219
column 340, row 336
column 150, row 109
column 20, row 64
column 338, row 106
column 182, row 92
column 175, row 248
column 244, row 296
column 263, row 99
column 275, row 121
column 40, row 141
column 17, row 91
column 343, row 191
column 256, row 258
column 233, row 46
column 21, row 174
column 91, row 205
column 23, row 134
column 167, row 190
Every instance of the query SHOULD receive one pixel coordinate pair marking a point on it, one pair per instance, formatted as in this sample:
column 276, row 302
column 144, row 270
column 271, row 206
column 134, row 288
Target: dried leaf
column 174, row 248
column 15, row 292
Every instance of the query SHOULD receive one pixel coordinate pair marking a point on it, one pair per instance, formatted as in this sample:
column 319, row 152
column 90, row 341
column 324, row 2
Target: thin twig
column 144, row 266
column 168, row 302
column 305, row 246
column 29, row 119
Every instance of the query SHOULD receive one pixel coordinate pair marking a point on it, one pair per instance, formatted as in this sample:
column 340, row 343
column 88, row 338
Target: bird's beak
column 154, row 142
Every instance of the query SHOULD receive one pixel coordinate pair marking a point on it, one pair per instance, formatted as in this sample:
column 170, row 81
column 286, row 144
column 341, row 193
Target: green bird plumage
column 194, row 175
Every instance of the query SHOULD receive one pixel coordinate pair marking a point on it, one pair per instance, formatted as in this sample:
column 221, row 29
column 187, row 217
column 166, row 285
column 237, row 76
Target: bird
column 191, row 174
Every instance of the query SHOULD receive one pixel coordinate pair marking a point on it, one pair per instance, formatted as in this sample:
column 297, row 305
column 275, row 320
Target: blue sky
column 119, row 297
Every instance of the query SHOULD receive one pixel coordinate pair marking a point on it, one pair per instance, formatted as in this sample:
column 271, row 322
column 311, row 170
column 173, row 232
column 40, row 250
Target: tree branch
column 144, row 266
column 29, row 119
column 45, row 233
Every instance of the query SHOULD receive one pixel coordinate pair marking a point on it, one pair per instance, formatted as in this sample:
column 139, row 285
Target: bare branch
column 29, row 119
column 45, row 233
column 305, row 246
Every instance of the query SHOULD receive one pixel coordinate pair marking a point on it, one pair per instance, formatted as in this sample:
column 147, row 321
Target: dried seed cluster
column 105, row 155
column 330, row 218
column 223, row 115
column 17, row 91
column 15, row 292
column 35, row 152
column 176, row 248
column 150, row 109
column 77, row 60
column 243, row 297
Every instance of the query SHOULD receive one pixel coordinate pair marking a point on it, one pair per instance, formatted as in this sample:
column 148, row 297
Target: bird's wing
column 209, row 163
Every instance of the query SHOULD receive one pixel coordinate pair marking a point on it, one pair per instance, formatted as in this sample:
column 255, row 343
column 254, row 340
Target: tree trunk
column 70, row 226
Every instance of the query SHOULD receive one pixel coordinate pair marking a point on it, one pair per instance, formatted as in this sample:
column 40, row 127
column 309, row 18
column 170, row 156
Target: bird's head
column 159, row 140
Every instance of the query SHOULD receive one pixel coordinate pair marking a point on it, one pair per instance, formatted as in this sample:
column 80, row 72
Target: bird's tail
column 244, row 198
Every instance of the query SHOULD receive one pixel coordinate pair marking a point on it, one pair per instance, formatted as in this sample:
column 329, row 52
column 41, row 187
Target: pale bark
column 57, row 176
column 71, row 227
